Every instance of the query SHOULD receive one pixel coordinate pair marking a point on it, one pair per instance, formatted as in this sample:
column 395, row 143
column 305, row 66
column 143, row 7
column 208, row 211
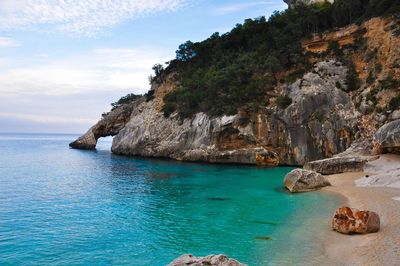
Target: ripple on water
column 63, row 206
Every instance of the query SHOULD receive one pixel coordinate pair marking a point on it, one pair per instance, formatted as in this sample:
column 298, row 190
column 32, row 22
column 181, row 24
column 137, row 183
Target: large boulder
column 211, row 260
column 388, row 137
column 352, row 221
column 300, row 180
column 337, row 165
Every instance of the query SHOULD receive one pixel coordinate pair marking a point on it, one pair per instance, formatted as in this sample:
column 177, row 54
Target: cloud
column 8, row 42
column 76, row 17
column 233, row 8
column 104, row 69
column 47, row 119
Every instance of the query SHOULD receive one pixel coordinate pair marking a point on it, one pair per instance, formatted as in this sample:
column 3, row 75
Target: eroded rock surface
column 337, row 165
column 211, row 260
column 318, row 124
column 352, row 221
column 300, row 180
column 109, row 125
column 384, row 172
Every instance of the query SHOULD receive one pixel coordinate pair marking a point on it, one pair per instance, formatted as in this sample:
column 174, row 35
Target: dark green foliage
column 158, row 74
column 283, row 101
column 370, row 78
column 124, row 100
column 352, row 80
column 394, row 103
column 293, row 76
column 389, row 83
column 334, row 47
column 378, row 68
column 237, row 69
column 371, row 96
column 149, row 95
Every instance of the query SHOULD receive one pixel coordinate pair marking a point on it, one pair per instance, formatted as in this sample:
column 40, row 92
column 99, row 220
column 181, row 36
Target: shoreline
column 381, row 248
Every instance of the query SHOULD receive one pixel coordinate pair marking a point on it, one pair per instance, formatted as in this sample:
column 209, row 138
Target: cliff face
column 323, row 119
column 318, row 124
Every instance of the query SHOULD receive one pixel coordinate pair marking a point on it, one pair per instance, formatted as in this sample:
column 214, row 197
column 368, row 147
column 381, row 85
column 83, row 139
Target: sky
column 62, row 62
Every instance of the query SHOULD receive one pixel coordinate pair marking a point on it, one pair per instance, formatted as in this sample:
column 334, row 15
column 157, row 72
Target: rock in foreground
column 300, row 180
column 211, row 260
column 337, row 165
column 352, row 221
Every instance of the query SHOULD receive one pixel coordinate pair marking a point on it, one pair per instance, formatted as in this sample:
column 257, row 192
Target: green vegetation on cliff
column 237, row 69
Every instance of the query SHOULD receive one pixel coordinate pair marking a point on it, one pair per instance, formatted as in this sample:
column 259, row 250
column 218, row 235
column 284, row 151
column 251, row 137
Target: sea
column 60, row 206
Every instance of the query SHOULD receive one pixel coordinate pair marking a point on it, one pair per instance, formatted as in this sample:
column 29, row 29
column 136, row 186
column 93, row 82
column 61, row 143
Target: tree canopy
column 237, row 69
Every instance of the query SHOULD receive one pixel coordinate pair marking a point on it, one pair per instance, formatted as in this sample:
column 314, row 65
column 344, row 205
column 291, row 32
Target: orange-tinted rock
column 352, row 221
column 267, row 159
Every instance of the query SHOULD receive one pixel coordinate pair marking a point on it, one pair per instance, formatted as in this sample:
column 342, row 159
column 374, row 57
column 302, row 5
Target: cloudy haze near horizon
column 62, row 62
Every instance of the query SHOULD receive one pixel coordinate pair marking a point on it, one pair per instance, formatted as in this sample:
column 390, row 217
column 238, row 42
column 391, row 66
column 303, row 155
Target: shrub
column 394, row 103
column 334, row 47
column 149, row 95
column 352, row 80
column 125, row 100
column 371, row 96
column 227, row 72
column 284, row 101
column 370, row 78
column 389, row 83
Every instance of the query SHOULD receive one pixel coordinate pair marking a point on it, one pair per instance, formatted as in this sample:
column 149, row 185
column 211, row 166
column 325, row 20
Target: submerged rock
column 337, row 165
column 300, row 180
column 388, row 137
column 352, row 221
column 211, row 260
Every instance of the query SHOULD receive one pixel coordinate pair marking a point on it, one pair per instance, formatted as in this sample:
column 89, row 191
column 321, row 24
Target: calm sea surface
column 60, row 206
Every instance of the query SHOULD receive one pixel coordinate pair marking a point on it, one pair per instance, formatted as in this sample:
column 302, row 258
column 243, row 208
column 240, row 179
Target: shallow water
column 68, row 207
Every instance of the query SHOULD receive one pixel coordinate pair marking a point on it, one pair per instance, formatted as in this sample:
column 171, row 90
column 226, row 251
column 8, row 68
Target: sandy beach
column 380, row 194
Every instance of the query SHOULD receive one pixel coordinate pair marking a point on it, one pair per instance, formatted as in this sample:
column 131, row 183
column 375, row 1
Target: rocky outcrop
column 388, row 137
column 216, row 140
column 268, row 137
column 337, row 165
column 352, row 221
column 319, row 123
column 300, row 180
column 294, row 3
column 211, row 260
column 109, row 125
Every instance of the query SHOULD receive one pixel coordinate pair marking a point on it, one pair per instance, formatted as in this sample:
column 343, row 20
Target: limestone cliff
column 324, row 118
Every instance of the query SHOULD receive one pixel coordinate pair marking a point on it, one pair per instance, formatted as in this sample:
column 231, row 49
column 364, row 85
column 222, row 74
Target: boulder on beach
column 388, row 137
column 300, row 180
column 337, row 165
column 211, row 260
column 352, row 221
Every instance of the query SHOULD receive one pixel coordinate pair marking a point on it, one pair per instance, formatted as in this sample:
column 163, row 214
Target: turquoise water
column 61, row 206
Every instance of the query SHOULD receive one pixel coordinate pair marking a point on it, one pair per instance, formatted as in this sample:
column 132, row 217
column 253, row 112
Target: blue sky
column 62, row 62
